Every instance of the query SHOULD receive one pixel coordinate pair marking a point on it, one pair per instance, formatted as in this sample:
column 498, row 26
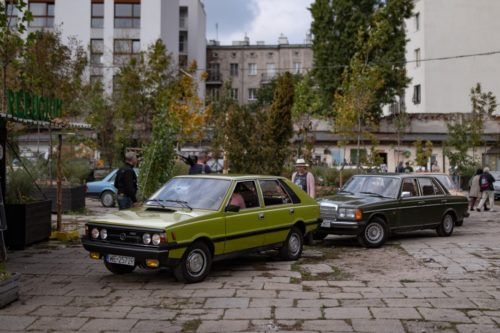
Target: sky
column 260, row 20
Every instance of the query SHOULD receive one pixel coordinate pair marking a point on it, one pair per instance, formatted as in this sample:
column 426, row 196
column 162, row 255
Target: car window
column 409, row 185
column 245, row 195
column 273, row 193
column 447, row 182
column 200, row 193
column 429, row 187
column 383, row 186
column 291, row 193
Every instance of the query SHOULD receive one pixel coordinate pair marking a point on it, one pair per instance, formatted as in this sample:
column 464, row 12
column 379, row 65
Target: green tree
column 342, row 28
column 483, row 106
column 422, row 153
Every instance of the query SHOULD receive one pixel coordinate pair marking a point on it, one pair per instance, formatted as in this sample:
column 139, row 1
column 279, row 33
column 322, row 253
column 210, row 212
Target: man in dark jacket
column 126, row 182
column 201, row 165
column 487, row 190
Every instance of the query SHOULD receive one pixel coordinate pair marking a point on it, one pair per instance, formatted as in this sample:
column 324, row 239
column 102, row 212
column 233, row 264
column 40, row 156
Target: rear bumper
column 139, row 253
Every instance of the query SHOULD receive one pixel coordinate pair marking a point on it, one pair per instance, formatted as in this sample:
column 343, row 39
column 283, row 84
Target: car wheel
column 108, row 199
column 195, row 265
column 446, row 226
column 118, row 269
column 374, row 234
column 294, row 243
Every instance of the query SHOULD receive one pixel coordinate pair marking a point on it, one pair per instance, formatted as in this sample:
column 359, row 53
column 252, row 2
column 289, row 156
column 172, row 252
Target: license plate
column 326, row 223
column 121, row 260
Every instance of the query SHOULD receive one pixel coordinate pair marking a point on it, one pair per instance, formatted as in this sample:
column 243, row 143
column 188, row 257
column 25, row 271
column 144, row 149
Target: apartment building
column 249, row 66
column 117, row 30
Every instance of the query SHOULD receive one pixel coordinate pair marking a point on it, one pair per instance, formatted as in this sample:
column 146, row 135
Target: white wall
column 160, row 19
column 72, row 18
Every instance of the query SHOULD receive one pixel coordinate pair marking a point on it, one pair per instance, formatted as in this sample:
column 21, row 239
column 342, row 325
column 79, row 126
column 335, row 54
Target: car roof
column 230, row 177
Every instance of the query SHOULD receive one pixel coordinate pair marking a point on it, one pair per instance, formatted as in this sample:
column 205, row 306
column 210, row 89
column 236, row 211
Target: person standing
column 126, row 182
column 400, row 168
column 475, row 191
column 304, row 178
column 200, row 166
column 408, row 168
column 435, row 167
column 486, row 181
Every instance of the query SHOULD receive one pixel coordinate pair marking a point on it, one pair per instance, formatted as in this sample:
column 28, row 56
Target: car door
column 245, row 228
column 410, row 205
column 434, row 200
column 278, row 213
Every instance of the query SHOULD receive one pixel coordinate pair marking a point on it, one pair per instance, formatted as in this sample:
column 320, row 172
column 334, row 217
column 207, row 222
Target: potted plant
column 9, row 286
column 28, row 218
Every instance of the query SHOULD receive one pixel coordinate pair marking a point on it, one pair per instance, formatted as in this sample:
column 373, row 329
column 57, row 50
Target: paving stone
column 341, row 295
column 395, row 313
column 472, row 328
column 378, row 326
column 228, row 303
column 317, row 269
column 157, row 326
column 346, row 284
column 407, row 302
column 428, row 327
column 256, row 293
column 309, row 303
column 55, row 311
column 203, row 285
column 347, row 313
column 298, row 313
column 251, row 313
column 138, row 312
column 452, row 303
column 444, row 315
column 298, row 295
column 15, row 323
column 214, row 293
column 99, row 325
column 267, row 302
column 203, row 314
column 52, row 323
column 106, row 312
column 219, row 326
column 253, row 285
column 282, row 286
column 490, row 304
column 359, row 303
column 327, row 326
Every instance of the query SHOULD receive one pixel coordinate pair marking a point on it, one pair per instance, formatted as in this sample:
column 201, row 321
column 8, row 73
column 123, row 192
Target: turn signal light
column 95, row 255
column 152, row 263
column 358, row 216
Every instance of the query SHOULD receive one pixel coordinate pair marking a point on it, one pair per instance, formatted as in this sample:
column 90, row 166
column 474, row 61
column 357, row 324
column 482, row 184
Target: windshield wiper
column 180, row 202
column 344, row 191
column 374, row 194
column 158, row 201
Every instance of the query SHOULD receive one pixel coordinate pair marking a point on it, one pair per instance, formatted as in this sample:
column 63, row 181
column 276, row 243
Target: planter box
column 73, row 198
column 9, row 290
column 27, row 223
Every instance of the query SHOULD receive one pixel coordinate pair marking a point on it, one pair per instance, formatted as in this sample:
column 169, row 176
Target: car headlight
column 95, row 233
column 104, row 234
column 156, row 239
column 347, row 213
column 146, row 239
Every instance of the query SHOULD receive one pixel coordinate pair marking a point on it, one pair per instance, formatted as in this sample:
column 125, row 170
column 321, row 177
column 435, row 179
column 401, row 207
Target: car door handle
column 292, row 211
column 261, row 216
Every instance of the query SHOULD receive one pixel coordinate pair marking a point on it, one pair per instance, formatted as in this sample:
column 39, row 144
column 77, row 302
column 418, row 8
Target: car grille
column 124, row 235
column 328, row 211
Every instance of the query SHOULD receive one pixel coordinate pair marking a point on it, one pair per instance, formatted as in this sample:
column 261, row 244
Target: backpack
column 484, row 184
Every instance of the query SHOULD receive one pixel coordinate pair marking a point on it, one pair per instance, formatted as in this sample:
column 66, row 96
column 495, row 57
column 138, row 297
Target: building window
column 213, row 94
column 417, row 57
column 97, row 14
column 125, row 49
column 233, row 69
column 270, row 71
column 183, row 42
column 252, row 94
column 252, row 69
column 12, row 14
column 417, row 21
column 214, row 72
column 234, row 93
column 183, row 17
column 96, row 51
column 297, row 68
column 127, row 15
column 416, row 94
column 43, row 14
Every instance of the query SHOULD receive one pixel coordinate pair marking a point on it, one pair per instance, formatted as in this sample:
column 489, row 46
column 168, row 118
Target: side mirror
column 405, row 194
column 232, row 208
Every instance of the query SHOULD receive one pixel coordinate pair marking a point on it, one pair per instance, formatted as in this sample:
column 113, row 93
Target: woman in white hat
column 304, row 178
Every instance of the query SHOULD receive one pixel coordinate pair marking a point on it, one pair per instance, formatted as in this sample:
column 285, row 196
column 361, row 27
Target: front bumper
column 341, row 227
column 139, row 253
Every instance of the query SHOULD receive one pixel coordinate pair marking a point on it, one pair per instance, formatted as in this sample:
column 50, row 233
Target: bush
column 76, row 171
column 19, row 187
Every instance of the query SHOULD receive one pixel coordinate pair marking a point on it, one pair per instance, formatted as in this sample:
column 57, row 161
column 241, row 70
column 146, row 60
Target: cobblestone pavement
column 417, row 283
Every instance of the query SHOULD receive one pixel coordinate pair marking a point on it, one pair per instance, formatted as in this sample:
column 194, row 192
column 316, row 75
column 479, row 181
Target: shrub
column 19, row 187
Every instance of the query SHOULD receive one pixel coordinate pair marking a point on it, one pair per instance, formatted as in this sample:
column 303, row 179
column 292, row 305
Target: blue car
column 104, row 189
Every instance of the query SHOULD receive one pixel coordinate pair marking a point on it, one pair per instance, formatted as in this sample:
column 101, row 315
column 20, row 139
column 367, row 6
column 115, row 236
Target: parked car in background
column 104, row 189
column 496, row 184
column 372, row 206
column 194, row 220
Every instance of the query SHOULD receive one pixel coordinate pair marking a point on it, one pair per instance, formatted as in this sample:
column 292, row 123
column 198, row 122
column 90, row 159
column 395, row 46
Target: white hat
column 301, row 162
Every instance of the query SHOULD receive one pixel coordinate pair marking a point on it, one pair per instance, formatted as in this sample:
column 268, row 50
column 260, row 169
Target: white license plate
column 121, row 260
column 326, row 223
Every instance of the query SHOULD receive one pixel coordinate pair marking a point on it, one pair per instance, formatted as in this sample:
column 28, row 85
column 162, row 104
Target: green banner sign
column 25, row 105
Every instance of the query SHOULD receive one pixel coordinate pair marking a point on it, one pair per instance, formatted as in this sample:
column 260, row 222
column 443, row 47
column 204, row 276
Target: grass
column 191, row 325
column 4, row 275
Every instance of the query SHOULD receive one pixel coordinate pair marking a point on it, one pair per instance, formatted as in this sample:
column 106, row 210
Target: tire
column 108, row 199
column 118, row 269
column 445, row 228
column 293, row 246
column 195, row 264
column 375, row 233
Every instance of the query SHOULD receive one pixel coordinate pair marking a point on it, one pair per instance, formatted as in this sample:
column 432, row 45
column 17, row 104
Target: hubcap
column 196, row 262
column 447, row 223
column 294, row 244
column 107, row 199
column 374, row 233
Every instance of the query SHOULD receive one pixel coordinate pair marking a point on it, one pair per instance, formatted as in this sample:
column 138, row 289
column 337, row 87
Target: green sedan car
column 372, row 206
column 193, row 220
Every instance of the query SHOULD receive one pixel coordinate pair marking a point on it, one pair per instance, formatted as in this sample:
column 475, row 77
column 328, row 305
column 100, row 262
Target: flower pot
column 27, row 223
column 9, row 290
column 73, row 197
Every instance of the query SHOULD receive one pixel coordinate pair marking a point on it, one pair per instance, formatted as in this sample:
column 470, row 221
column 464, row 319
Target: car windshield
column 372, row 185
column 191, row 193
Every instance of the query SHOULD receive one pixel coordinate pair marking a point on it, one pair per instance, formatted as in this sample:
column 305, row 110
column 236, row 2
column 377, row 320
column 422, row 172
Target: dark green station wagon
column 372, row 206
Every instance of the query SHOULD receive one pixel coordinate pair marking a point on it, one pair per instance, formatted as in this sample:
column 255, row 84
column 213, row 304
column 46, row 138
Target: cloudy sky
column 260, row 20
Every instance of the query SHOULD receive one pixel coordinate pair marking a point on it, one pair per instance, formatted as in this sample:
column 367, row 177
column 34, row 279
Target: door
column 434, row 201
column 410, row 204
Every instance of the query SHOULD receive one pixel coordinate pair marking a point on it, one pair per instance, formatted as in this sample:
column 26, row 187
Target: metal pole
column 59, row 184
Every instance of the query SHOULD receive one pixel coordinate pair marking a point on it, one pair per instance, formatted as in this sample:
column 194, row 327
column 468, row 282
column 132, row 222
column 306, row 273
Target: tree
column 483, row 106
column 339, row 26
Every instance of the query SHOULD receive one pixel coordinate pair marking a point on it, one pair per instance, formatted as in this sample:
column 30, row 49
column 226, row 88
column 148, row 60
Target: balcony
column 214, row 78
